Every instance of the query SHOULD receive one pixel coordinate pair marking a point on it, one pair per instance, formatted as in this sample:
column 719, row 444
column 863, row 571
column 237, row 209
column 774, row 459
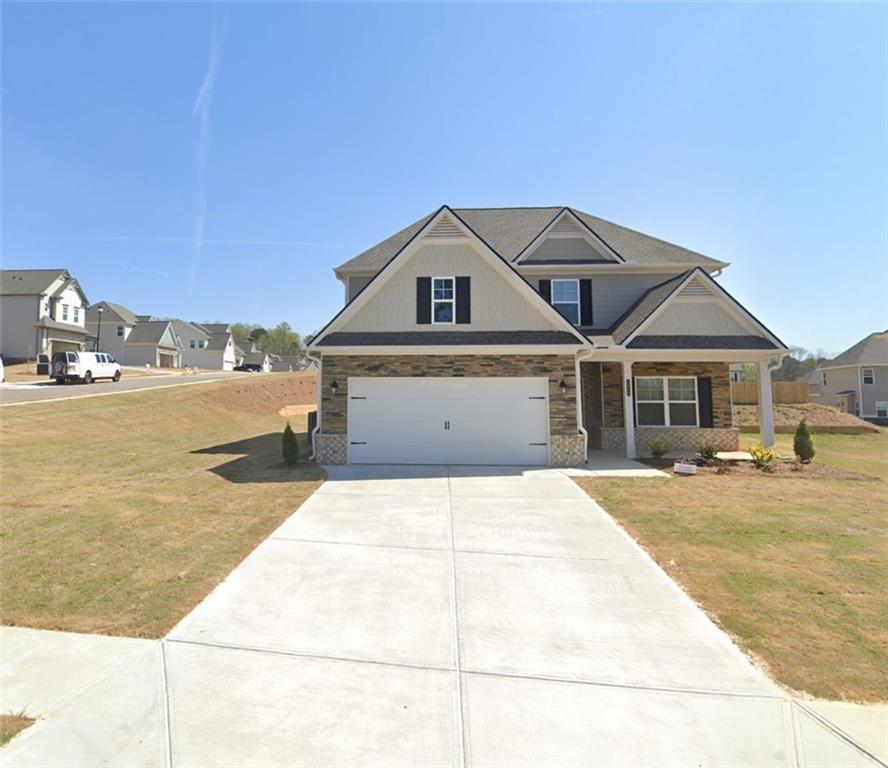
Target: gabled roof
column 48, row 322
column 128, row 316
column 448, row 218
column 190, row 327
column 214, row 327
column 256, row 357
column 35, row 282
column 627, row 330
column 218, row 340
column 872, row 350
column 148, row 332
column 508, row 232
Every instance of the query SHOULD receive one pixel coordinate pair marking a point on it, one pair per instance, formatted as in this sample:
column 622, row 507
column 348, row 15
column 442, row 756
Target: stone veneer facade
column 681, row 440
column 566, row 443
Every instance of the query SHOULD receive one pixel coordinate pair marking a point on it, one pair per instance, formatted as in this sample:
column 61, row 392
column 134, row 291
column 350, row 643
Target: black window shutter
column 704, row 400
column 463, row 300
column 586, row 302
column 546, row 290
column 423, row 300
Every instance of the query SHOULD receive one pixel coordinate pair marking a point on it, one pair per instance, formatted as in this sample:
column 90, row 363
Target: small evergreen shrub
column 708, row 453
column 658, row 448
column 762, row 457
column 290, row 445
column 802, row 443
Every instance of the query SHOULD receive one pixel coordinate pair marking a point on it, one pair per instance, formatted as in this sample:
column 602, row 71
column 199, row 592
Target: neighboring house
column 219, row 353
column 291, row 363
column 856, row 381
column 117, row 322
column 42, row 311
column 526, row 335
column 194, row 341
column 260, row 358
column 154, row 343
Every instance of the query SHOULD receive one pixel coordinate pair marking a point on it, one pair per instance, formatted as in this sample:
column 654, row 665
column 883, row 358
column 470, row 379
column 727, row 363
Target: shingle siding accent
column 562, row 407
column 612, row 382
column 445, row 338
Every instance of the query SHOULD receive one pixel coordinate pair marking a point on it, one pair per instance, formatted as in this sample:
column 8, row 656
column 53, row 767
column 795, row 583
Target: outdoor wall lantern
column 562, row 385
column 334, row 387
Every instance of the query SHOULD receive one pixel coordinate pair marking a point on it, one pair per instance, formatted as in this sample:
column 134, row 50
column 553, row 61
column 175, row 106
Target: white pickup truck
column 85, row 367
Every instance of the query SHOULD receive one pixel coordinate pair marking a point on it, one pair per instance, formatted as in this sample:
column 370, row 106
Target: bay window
column 666, row 401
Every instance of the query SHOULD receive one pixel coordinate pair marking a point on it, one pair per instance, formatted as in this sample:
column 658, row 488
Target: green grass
column 121, row 513
column 794, row 565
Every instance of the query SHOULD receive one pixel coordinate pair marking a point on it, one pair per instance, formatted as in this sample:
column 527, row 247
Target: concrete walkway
column 437, row 616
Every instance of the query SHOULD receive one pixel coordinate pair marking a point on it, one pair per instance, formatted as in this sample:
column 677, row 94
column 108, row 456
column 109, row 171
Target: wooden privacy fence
column 746, row 392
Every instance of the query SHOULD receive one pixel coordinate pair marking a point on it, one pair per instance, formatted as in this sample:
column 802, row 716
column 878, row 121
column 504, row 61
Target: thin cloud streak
column 201, row 110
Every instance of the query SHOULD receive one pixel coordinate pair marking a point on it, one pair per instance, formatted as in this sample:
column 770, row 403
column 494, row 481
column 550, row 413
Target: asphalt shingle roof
column 642, row 309
column 508, row 231
column 128, row 316
column 148, row 332
column 873, row 350
column 218, row 340
column 26, row 282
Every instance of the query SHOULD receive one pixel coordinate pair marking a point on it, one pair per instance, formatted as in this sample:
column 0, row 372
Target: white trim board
column 584, row 230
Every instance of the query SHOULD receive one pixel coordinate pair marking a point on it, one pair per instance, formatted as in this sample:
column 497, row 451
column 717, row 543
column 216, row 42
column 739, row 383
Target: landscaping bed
column 791, row 562
column 122, row 513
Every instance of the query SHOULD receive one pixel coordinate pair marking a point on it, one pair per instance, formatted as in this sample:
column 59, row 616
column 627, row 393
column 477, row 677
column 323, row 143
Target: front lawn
column 120, row 513
column 794, row 566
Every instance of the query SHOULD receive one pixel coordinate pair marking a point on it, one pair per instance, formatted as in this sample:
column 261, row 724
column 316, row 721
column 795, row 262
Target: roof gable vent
column 695, row 287
column 565, row 227
column 445, row 229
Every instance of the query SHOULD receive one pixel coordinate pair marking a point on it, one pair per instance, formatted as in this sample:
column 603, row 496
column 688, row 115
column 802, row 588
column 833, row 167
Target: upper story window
column 64, row 312
column 869, row 376
column 76, row 314
column 193, row 343
column 666, row 402
column 566, row 299
column 120, row 330
column 443, row 300
column 201, row 344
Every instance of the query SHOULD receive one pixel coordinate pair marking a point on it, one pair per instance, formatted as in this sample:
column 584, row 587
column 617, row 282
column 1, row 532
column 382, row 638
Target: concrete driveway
column 463, row 616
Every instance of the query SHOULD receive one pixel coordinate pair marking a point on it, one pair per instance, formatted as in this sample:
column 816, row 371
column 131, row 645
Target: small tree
column 291, row 445
column 802, row 443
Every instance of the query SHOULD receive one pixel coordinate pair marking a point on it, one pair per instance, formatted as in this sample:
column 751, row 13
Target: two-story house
column 219, row 353
column 527, row 336
column 856, row 381
column 109, row 326
column 134, row 339
column 42, row 311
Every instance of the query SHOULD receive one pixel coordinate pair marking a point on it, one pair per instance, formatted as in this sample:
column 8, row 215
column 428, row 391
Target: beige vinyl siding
column 695, row 319
column 839, row 380
column 566, row 249
column 495, row 306
column 356, row 285
column 877, row 391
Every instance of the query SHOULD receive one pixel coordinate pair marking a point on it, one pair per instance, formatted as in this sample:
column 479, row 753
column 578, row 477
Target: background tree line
column 280, row 340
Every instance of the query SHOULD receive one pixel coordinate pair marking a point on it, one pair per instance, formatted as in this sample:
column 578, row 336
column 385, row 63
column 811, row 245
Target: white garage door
column 448, row 420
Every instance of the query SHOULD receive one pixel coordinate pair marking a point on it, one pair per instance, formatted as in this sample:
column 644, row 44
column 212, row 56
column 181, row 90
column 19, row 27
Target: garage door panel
column 416, row 420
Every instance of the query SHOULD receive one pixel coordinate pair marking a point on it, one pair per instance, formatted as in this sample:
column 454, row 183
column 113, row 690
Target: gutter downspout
column 320, row 361
column 583, row 354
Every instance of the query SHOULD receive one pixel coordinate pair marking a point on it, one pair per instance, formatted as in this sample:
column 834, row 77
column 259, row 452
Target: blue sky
column 215, row 162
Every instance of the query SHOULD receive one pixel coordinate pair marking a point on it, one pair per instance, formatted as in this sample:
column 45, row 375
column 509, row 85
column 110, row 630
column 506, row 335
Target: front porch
column 676, row 405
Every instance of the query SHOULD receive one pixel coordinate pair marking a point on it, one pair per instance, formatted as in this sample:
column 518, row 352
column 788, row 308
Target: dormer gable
column 567, row 240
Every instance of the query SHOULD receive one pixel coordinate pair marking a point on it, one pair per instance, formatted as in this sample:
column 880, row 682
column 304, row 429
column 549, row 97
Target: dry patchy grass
column 10, row 725
column 119, row 514
column 793, row 565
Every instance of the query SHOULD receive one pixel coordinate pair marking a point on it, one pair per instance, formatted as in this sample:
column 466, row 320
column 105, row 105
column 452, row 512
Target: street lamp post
column 100, row 310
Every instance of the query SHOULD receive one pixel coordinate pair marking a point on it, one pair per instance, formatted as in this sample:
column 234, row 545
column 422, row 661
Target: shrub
column 802, row 443
column 290, row 445
column 762, row 457
column 708, row 453
column 658, row 448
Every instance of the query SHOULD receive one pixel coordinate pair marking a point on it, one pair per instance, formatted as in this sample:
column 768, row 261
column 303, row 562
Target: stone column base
column 567, row 450
column 331, row 449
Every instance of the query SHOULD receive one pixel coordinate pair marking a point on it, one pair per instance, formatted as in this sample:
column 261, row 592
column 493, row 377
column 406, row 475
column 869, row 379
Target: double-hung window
column 443, row 300
column 869, row 376
column 65, row 312
column 120, row 330
column 882, row 409
column 566, row 299
column 666, row 402
column 76, row 314
column 193, row 343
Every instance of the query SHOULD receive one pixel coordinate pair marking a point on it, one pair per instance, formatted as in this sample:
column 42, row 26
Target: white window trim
column 884, row 403
column 64, row 313
column 575, row 281
column 452, row 301
column 872, row 376
column 665, row 401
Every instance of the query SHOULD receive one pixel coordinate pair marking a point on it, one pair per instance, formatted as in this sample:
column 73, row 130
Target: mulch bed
column 782, row 468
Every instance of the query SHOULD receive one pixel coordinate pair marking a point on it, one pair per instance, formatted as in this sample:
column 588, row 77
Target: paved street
column 439, row 616
column 49, row 390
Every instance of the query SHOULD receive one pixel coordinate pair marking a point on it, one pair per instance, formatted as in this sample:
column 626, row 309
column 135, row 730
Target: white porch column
column 628, row 410
column 766, row 405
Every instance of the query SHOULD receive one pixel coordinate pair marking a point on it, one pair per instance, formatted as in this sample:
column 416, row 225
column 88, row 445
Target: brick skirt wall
column 682, row 441
column 566, row 442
